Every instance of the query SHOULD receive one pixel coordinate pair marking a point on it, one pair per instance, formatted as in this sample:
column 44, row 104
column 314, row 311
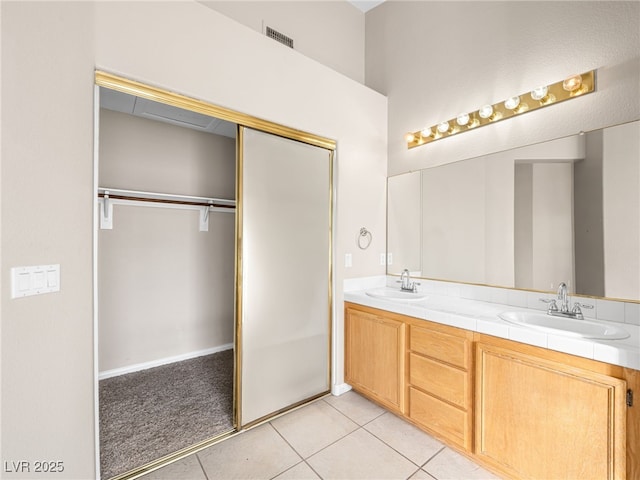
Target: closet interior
column 166, row 279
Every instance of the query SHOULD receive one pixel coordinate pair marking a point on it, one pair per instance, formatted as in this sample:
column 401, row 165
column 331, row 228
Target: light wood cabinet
column 440, row 381
column 523, row 412
column 540, row 419
column 374, row 355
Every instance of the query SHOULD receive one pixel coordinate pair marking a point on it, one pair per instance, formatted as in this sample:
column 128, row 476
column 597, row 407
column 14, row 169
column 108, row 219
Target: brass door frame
column 132, row 87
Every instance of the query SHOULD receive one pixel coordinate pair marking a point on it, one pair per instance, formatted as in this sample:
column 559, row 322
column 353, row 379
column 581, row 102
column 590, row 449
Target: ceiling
column 141, row 107
column 365, row 5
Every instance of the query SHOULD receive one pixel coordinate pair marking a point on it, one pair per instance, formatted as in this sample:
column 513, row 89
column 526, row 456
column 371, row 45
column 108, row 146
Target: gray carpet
column 146, row 415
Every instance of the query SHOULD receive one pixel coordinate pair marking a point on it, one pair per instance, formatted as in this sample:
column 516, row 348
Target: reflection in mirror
column 530, row 218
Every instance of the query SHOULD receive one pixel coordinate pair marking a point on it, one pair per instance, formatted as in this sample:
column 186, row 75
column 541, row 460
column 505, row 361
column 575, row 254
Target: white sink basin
column 393, row 294
column 565, row 326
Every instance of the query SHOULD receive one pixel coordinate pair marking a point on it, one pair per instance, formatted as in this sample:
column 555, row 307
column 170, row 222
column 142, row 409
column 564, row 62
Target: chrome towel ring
column 364, row 239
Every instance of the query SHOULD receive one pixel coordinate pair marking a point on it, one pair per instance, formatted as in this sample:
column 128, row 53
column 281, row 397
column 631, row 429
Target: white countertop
column 482, row 317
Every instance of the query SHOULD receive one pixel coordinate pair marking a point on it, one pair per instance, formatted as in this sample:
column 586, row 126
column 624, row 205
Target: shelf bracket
column 204, row 219
column 106, row 213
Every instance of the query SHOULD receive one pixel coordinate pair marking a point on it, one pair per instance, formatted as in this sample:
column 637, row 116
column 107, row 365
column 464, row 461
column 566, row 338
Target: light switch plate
column 34, row 280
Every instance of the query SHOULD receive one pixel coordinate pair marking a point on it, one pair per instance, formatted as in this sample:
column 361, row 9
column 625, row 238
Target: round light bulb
column 409, row 137
column 572, row 83
column 426, row 132
column 462, row 119
column 485, row 111
column 512, row 103
column 539, row 93
column 443, row 127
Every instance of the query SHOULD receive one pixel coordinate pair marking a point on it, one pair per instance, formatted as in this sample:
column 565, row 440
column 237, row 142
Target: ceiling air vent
column 279, row 37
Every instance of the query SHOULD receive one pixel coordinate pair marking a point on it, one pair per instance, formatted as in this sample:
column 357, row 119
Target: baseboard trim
column 339, row 389
column 162, row 361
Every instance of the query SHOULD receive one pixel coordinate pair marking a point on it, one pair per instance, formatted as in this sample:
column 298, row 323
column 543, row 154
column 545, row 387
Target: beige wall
column 330, row 32
column 49, row 52
column 47, row 217
column 467, row 221
column 404, row 220
column 437, row 59
column 621, row 181
column 552, row 217
column 141, row 154
column 453, row 240
column 588, row 221
column 165, row 288
column 544, row 254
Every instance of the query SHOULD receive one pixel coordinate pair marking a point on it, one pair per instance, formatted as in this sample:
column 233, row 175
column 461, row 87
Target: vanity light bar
column 543, row 96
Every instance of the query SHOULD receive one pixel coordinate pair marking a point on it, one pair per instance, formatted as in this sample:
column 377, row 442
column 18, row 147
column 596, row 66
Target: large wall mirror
column 567, row 210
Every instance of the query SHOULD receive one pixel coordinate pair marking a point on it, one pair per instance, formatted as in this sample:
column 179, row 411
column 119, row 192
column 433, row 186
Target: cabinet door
column 374, row 356
column 541, row 420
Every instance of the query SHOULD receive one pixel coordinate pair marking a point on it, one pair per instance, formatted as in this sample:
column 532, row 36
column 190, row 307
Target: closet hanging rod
column 136, row 195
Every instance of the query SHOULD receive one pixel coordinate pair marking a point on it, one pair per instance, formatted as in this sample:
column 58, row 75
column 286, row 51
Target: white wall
column 166, row 289
column 330, row 32
column 49, row 51
column 435, row 60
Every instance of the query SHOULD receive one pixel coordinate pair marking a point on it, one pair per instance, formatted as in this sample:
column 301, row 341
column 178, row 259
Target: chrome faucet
column 405, row 282
column 564, row 310
column 563, row 298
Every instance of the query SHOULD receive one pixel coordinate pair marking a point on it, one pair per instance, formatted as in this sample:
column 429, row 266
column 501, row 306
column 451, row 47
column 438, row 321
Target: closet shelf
column 107, row 197
column 137, row 195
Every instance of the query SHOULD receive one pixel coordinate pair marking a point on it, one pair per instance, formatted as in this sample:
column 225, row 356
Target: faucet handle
column 583, row 305
column 553, row 306
column 577, row 307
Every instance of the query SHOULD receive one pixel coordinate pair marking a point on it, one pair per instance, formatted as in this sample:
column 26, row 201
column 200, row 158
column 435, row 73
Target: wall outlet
column 383, row 259
column 348, row 260
column 389, row 258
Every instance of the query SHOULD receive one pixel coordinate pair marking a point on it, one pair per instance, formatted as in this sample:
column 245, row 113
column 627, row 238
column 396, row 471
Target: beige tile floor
column 344, row 437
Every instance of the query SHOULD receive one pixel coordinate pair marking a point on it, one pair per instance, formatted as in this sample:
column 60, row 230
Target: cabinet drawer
column 440, row 417
column 448, row 383
column 448, row 348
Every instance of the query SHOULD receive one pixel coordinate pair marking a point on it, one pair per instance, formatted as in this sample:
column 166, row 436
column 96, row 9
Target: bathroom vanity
column 523, row 411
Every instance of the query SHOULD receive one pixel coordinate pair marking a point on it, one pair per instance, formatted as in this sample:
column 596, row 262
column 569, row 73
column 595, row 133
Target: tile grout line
column 384, row 412
column 412, row 475
column 286, row 441
column 358, row 427
column 433, row 456
column 348, row 417
column 206, row 476
column 399, row 452
column 302, row 459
